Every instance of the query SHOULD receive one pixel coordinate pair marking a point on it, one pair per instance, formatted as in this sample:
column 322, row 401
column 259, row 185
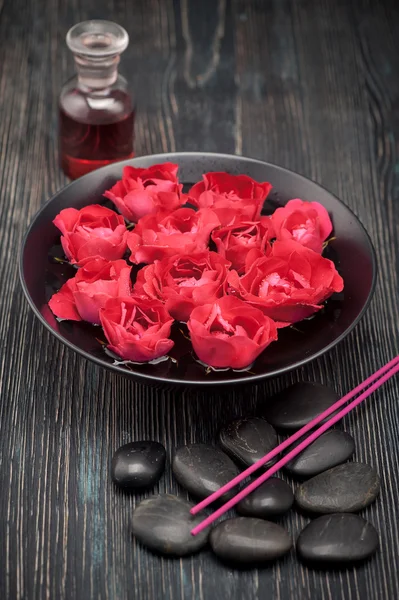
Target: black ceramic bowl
column 351, row 251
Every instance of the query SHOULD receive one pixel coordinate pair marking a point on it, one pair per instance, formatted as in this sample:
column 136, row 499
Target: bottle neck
column 97, row 73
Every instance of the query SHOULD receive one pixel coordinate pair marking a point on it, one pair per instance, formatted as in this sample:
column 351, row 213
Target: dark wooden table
column 310, row 85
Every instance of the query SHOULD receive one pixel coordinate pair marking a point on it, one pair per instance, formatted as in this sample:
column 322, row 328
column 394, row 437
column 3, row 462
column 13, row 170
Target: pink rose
column 230, row 333
column 235, row 241
column 82, row 296
column 221, row 191
column 184, row 231
column 93, row 231
column 142, row 192
column 289, row 284
column 137, row 329
column 305, row 222
column 184, row 281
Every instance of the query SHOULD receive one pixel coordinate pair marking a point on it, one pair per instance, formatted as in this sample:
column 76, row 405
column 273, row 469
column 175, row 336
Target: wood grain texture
column 310, row 85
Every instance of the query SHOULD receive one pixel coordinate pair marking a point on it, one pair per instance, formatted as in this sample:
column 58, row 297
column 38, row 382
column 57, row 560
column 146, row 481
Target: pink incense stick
column 293, row 438
column 389, row 369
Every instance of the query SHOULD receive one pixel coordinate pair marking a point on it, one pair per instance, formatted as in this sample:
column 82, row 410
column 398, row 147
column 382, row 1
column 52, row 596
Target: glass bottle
column 96, row 112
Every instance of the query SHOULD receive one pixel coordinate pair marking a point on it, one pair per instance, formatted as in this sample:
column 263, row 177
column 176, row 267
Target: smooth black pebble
column 271, row 499
column 249, row 541
column 346, row 488
column 337, row 539
column 298, row 404
column 138, row 465
column 163, row 523
column 203, row 469
column 248, row 439
column 330, row 449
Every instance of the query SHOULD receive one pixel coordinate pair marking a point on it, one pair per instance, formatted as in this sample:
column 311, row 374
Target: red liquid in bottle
column 96, row 110
column 85, row 147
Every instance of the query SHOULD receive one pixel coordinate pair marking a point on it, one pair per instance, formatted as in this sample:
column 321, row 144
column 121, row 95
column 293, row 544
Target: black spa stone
column 330, row 449
column 270, row 500
column 346, row 488
column 337, row 539
column 247, row 440
column 202, row 469
column 163, row 523
column 138, row 465
column 247, row 541
column 298, row 404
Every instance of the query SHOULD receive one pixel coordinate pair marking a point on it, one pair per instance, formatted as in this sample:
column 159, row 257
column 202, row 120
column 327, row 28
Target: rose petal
column 63, row 304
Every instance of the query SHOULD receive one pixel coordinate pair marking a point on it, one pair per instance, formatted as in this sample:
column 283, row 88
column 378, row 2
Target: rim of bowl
column 144, row 377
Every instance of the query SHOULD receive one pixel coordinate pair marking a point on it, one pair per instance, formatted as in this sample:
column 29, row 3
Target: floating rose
column 143, row 192
column 221, row 191
column 289, row 284
column 82, row 296
column 230, row 333
column 137, row 329
column 184, row 282
column 92, row 232
column 305, row 222
column 166, row 234
column 235, row 241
